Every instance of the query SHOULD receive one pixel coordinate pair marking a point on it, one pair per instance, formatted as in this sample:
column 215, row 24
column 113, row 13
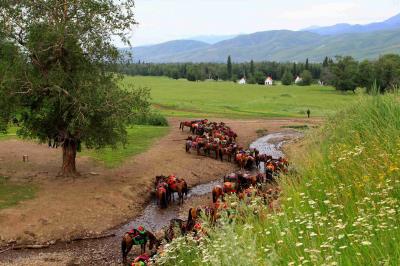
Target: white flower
column 342, row 247
column 299, row 244
column 366, row 243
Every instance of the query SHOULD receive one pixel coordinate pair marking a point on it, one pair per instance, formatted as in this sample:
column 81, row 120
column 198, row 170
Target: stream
column 106, row 251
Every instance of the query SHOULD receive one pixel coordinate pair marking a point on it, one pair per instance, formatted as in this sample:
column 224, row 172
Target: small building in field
column 269, row 81
column 242, row 81
column 298, row 80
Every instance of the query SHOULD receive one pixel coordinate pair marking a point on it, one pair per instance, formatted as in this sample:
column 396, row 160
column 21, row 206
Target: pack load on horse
column 177, row 185
column 142, row 260
column 137, row 236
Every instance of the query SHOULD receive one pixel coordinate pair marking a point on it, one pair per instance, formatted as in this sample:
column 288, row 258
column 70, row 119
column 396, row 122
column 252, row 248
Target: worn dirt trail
column 65, row 209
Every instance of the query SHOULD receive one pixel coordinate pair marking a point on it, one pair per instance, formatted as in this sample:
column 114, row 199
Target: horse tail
column 180, row 125
column 190, row 218
column 214, row 196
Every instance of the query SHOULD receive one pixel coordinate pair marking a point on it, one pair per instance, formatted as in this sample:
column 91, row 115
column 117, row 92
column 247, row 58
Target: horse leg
column 123, row 251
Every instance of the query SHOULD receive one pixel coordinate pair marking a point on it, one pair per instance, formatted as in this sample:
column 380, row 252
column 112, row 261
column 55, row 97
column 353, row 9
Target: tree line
column 344, row 73
column 254, row 72
column 347, row 74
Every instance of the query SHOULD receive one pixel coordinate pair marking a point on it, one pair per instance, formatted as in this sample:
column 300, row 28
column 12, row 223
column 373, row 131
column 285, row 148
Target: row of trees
column 255, row 72
column 346, row 74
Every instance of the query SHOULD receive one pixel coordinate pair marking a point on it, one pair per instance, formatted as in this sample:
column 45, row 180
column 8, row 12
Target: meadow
column 228, row 99
column 340, row 207
column 140, row 138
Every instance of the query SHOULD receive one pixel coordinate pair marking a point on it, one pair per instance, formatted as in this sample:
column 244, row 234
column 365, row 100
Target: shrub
column 306, row 78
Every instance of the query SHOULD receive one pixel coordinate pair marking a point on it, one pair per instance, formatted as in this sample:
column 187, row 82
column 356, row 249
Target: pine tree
column 252, row 70
column 307, row 66
column 229, row 67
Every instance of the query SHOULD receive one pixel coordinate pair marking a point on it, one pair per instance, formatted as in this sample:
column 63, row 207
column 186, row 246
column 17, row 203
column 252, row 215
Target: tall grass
column 341, row 208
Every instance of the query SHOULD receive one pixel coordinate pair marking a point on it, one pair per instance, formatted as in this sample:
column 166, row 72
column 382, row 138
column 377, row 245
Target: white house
column 269, row 81
column 298, row 80
column 242, row 81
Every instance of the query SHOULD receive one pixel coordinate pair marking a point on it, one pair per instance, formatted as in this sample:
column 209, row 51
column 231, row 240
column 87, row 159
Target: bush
column 259, row 78
column 153, row 118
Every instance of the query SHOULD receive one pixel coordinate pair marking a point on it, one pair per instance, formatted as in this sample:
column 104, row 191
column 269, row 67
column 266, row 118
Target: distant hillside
column 212, row 39
column 282, row 45
column 163, row 52
column 389, row 24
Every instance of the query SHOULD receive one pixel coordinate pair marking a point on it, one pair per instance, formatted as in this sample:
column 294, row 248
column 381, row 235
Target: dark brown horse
column 130, row 239
column 217, row 192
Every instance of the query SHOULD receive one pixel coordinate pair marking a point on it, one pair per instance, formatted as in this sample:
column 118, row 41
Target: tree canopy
column 62, row 87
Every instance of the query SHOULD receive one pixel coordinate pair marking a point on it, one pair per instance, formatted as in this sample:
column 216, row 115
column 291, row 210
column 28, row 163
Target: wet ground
column 106, row 251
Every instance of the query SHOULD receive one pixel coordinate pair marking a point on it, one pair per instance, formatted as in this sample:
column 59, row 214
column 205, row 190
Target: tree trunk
column 69, row 148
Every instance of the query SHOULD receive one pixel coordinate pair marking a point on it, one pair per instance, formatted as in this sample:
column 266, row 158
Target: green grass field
column 227, row 99
column 139, row 139
column 11, row 194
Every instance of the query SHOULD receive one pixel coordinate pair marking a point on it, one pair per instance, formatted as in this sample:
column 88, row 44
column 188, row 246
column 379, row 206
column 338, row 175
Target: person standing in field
column 308, row 113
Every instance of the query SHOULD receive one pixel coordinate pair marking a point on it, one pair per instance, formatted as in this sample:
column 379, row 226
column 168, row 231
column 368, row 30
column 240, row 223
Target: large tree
column 64, row 91
column 345, row 72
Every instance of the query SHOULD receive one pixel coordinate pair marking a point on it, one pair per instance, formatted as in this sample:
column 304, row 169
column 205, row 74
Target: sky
column 165, row 20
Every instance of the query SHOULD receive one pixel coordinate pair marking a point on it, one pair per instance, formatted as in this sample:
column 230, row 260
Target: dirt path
column 92, row 204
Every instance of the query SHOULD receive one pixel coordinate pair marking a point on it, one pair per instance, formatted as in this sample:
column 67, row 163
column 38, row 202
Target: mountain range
column 315, row 43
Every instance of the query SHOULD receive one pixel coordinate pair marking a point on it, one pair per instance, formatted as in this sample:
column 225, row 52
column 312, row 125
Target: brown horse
column 184, row 124
column 162, row 195
column 179, row 186
column 241, row 159
column 129, row 240
column 212, row 147
column 226, row 151
column 217, row 192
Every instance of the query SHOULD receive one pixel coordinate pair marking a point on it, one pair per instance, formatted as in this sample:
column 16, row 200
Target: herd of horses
column 219, row 140
column 210, row 138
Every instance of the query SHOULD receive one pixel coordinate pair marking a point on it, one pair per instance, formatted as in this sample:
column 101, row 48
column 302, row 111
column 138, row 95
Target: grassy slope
column 342, row 208
column 227, row 99
column 139, row 139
